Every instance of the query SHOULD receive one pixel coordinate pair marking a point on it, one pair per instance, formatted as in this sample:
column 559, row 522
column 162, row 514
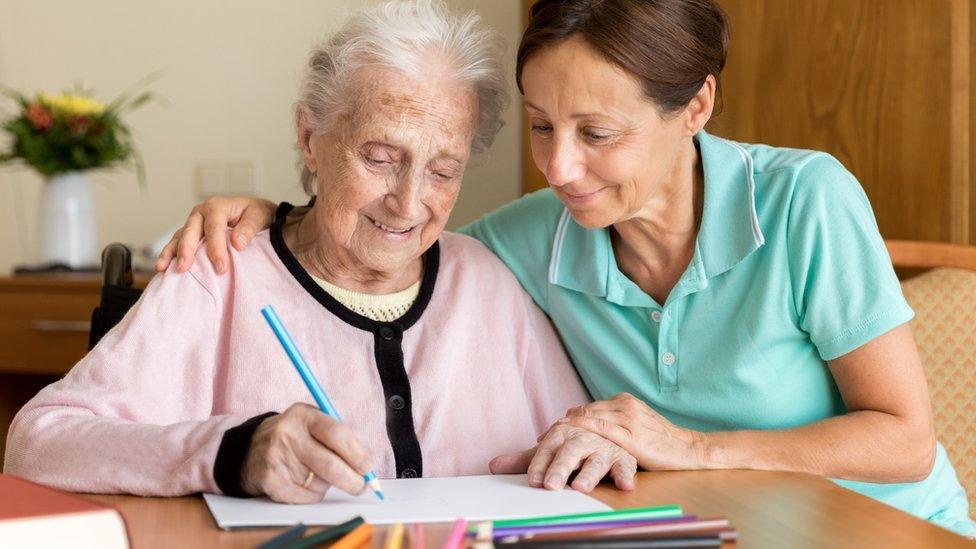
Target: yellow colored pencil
column 354, row 539
column 394, row 537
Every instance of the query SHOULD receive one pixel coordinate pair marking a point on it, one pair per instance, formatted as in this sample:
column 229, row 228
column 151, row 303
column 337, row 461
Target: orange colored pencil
column 352, row 540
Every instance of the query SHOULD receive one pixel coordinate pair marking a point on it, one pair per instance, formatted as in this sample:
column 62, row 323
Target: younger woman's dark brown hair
column 670, row 46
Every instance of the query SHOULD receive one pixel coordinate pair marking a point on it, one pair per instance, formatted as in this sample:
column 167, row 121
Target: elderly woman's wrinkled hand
column 630, row 423
column 296, row 456
column 248, row 216
column 563, row 449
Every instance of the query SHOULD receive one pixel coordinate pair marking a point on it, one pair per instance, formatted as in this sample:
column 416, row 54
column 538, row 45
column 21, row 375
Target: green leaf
column 139, row 101
column 123, row 97
column 13, row 94
column 140, row 169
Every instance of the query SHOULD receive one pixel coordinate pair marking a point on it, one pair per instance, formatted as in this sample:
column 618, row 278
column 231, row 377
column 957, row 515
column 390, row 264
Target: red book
column 32, row 515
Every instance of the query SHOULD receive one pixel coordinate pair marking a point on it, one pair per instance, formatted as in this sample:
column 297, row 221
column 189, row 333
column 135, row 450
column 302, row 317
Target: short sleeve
column 844, row 286
column 521, row 235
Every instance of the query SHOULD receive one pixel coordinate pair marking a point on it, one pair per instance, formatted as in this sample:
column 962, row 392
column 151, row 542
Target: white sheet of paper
column 488, row 497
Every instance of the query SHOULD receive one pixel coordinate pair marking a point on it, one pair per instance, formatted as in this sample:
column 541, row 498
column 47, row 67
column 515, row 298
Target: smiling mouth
column 389, row 229
column 581, row 196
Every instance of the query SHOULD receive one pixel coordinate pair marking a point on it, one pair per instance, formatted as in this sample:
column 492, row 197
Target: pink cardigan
column 146, row 410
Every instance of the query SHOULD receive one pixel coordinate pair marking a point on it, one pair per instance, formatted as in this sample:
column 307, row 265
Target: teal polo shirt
column 789, row 271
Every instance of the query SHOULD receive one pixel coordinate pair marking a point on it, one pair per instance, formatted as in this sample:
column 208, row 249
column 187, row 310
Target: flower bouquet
column 62, row 136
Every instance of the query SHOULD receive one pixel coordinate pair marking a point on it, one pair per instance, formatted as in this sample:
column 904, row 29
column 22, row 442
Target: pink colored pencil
column 456, row 539
column 417, row 536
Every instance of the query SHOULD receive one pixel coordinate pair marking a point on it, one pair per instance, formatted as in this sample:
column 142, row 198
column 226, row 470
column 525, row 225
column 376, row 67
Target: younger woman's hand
column 564, row 449
column 211, row 219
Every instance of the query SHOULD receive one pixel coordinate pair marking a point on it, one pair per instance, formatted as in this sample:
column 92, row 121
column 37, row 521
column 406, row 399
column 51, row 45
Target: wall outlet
column 241, row 178
column 225, row 177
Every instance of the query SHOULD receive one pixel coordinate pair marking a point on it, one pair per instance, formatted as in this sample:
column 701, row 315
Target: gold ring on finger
column 308, row 480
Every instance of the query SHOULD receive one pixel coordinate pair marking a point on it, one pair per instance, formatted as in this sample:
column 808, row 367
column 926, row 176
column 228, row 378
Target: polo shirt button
column 397, row 402
column 408, row 473
column 669, row 358
column 656, row 315
column 386, row 333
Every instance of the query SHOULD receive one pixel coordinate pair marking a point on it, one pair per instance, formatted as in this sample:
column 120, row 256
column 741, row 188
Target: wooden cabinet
column 883, row 85
column 44, row 324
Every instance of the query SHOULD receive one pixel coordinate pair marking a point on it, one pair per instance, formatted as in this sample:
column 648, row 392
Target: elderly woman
column 435, row 355
column 730, row 305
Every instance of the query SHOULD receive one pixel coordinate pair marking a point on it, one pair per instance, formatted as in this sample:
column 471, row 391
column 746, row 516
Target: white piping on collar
column 557, row 245
column 753, row 217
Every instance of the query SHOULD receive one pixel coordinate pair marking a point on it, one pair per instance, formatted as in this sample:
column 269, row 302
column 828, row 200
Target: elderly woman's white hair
column 406, row 36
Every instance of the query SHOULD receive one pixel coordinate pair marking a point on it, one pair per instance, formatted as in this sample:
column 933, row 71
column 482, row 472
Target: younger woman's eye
column 596, row 137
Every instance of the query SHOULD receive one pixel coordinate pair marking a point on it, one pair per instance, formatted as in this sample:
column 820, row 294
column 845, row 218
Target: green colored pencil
column 326, row 535
column 633, row 513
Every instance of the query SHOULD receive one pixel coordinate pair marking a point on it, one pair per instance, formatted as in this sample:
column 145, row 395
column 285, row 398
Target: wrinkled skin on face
column 388, row 174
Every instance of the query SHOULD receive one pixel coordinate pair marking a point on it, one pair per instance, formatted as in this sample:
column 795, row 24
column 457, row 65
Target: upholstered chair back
column 944, row 300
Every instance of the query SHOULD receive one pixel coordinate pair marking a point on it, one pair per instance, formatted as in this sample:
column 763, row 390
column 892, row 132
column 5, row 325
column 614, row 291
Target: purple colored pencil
column 500, row 533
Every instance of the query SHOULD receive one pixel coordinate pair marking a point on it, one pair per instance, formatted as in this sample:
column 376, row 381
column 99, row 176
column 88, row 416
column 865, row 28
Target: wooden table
column 770, row 510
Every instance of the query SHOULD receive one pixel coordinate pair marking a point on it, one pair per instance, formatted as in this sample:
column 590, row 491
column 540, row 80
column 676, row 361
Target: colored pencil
column 328, row 534
column 585, row 526
column 458, row 533
column 482, row 536
column 354, row 539
column 417, row 536
column 282, row 539
column 711, row 527
column 394, row 537
column 634, row 513
column 719, row 527
column 311, row 382
column 621, row 543
column 690, row 529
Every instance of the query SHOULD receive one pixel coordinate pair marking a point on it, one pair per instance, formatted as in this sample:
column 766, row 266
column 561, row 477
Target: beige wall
column 229, row 73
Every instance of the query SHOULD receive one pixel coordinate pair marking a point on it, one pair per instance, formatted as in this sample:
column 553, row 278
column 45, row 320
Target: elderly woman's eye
column 443, row 175
column 378, row 155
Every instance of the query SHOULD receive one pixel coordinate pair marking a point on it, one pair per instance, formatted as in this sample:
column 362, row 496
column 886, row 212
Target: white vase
column 68, row 221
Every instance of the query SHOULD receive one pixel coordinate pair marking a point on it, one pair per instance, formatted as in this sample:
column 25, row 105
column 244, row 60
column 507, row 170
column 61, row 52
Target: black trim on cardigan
column 229, row 463
column 388, row 350
column 387, row 345
column 431, row 262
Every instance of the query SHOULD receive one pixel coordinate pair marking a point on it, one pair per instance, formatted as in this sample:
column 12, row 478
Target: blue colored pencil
column 311, row 382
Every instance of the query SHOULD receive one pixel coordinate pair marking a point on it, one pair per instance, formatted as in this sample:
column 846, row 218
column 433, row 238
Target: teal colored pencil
column 633, row 513
column 311, row 382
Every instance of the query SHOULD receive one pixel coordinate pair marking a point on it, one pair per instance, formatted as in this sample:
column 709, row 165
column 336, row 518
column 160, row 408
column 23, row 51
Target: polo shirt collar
column 582, row 259
column 730, row 227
